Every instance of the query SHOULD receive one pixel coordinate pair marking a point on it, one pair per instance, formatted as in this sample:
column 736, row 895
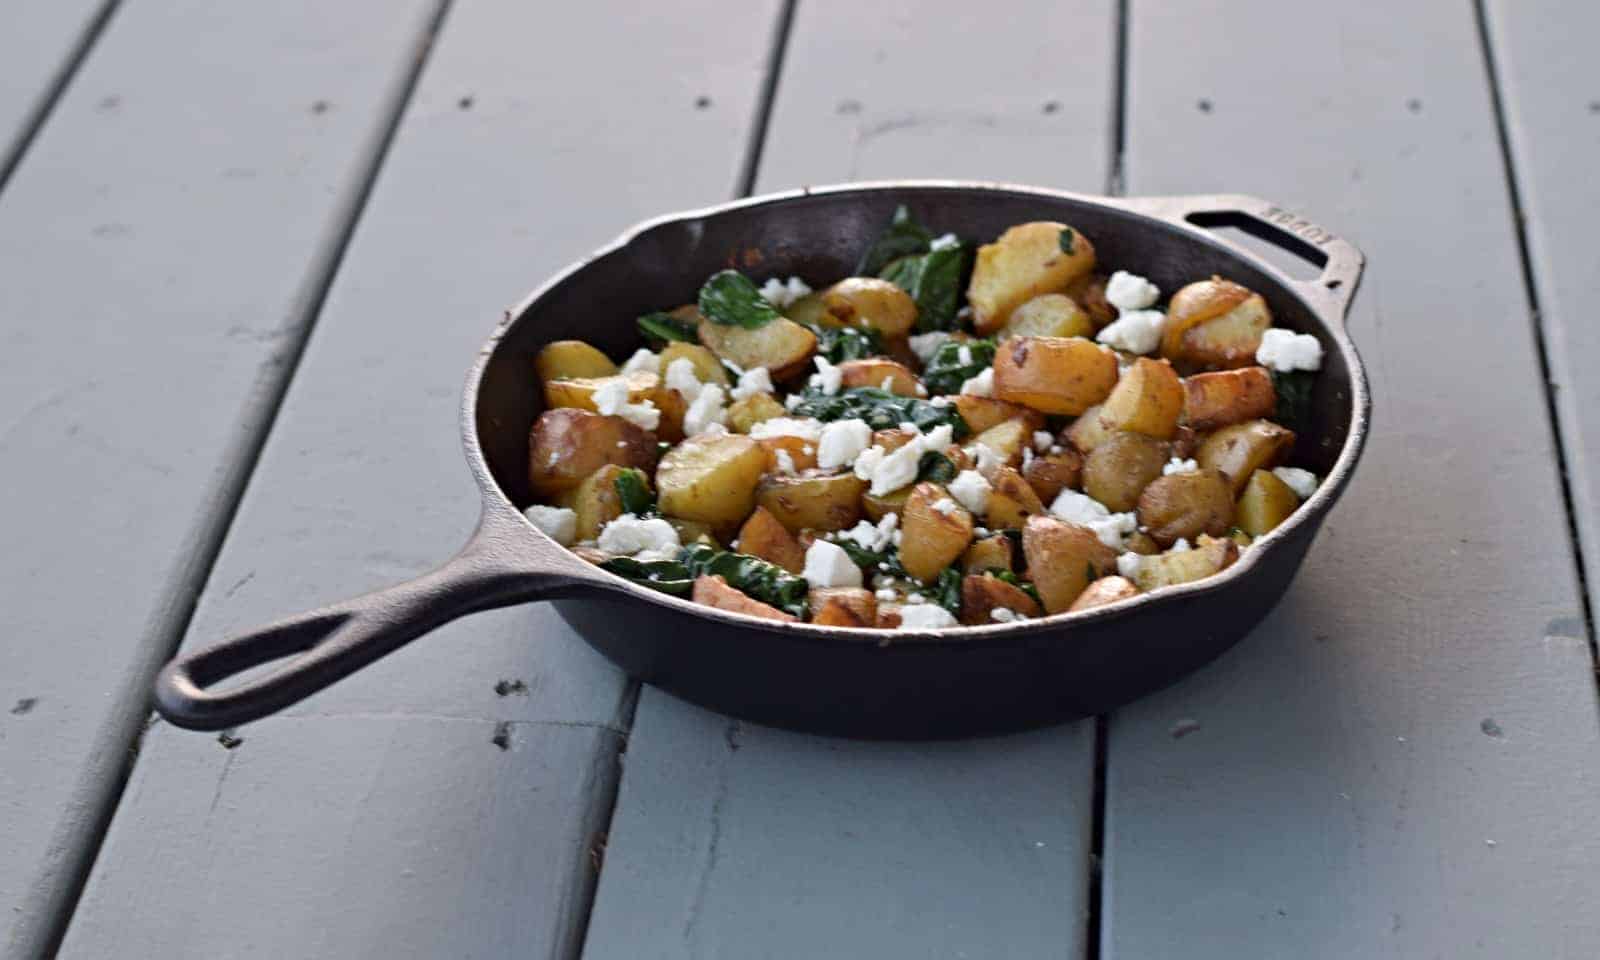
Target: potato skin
column 1147, row 399
column 782, row 346
column 746, row 413
column 877, row 506
column 1011, row 500
column 1194, row 304
column 596, row 501
column 1088, row 431
column 981, row 413
column 713, row 591
column 873, row 371
column 1117, row 471
column 1185, row 505
column 813, row 502
column 1226, row 397
column 1103, row 591
column 988, row 553
column 981, row 593
column 1089, row 291
column 843, row 607
column 802, row 452
column 571, row 359
column 1048, row 315
column 869, row 302
column 1007, row 439
column 1051, row 473
column 707, row 368
column 1063, row 558
column 1054, row 375
column 1265, row 503
column 1214, row 323
column 642, row 385
column 764, row 536
column 567, row 444
column 932, row 540
column 1021, row 264
column 1164, row 570
column 711, row 478
column 1243, row 448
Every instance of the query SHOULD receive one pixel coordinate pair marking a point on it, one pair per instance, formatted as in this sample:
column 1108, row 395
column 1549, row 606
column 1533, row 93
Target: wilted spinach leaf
column 946, row 591
column 839, row 344
column 729, row 298
column 660, row 327
column 935, row 467
column 879, row 408
column 633, row 491
column 1018, row 582
column 767, row 582
column 903, row 236
column 1068, row 240
column 668, row 576
column 946, row 372
column 934, row 280
column 1294, row 398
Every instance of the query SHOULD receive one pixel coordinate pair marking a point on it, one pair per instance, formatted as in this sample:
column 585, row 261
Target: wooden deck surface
column 246, row 254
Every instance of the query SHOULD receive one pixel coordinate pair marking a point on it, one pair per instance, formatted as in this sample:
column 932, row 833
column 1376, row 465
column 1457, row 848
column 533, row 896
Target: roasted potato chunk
column 1051, row 473
column 1147, row 399
column 1226, row 397
column 1007, row 439
column 746, row 413
column 711, row 478
column 1103, row 591
column 1118, row 470
column 981, row 413
column 1164, row 570
column 707, row 368
column 981, row 594
column 782, row 346
column 843, row 607
column 568, row 444
column 877, row 506
column 693, row 531
column 1063, row 559
column 879, row 372
column 988, row 553
column 1088, row 431
column 936, row 528
column 713, row 591
column 764, row 536
column 1089, row 292
column 579, row 394
column 1214, row 323
column 571, row 360
column 1027, row 260
column 802, row 452
column 1054, row 375
column 1265, row 503
column 1243, row 448
column 1140, row 542
column 596, row 501
column 813, row 502
column 1048, row 315
column 869, row 302
column 1011, row 500
column 1184, row 505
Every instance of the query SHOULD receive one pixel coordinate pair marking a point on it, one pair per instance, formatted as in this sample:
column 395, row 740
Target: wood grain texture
column 745, row 842
column 40, row 41
column 1400, row 761
column 1550, row 90
column 159, row 246
column 503, row 170
column 407, row 837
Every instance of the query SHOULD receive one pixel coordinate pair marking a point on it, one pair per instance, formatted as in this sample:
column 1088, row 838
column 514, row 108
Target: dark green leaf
column 729, row 298
column 935, row 467
column 839, row 344
column 934, row 280
column 633, row 490
column 1068, row 240
column 1018, row 582
column 661, row 327
column 903, row 236
column 946, row 372
column 1294, row 398
column 946, row 590
column 767, row 582
column 880, row 409
column 668, row 576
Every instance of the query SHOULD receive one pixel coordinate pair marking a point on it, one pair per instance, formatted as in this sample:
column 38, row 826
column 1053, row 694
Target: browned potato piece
column 893, row 439
column 1007, row 439
column 843, row 607
column 869, row 302
column 888, row 618
column 568, row 444
column 1164, row 570
column 673, row 408
column 802, row 452
column 1118, row 470
column 933, row 538
column 1051, row 473
column 1240, row 537
column 1011, row 500
column 1088, row 431
column 713, row 591
column 813, row 502
column 711, row 478
column 1184, row 441
column 571, row 360
column 988, row 553
column 875, row 371
column 981, row 413
column 981, row 593
column 1185, row 505
column 1103, row 591
column 877, row 506
column 1140, row 542
column 1022, row 263
column 1089, row 291
column 1243, row 448
column 1063, row 558
column 809, row 309
column 693, row 531
column 746, row 413
column 1220, row 399
column 782, row 346
column 899, row 350
column 1048, row 315
column 1265, row 503
column 1053, row 374
column 1214, row 323
column 763, row 536
column 596, row 501
column 958, row 457
column 707, row 368
column 580, row 393
column 1148, row 399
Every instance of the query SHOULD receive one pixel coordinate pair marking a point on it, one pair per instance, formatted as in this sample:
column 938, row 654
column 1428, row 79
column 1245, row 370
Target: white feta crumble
column 1006, row 615
column 841, row 442
column 781, row 293
column 1128, row 565
column 644, row 360
column 1115, row 528
column 921, row 390
column 793, row 400
column 733, row 368
column 828, row 379
column 682, row 377
column 1180, row 546
column 785, row 463
column 887, row 386
column 941, row 401
column 988, row 458
column 827, row 565
column 1285, row 350
column 869, row 537
column 944, row 242
column 925, row 616
column 915, row 598
column 972, row 490
column 1302, row 482
column 1027, row 457
column 964, row 355
column 611, row 399
column 557, row 523
column 1042, row 441
column 645, row 539
column 980, row 386
column 887, row 471
column 706, row 412
column 1129, row 291
column 808, row 450
column 1180, row 465
column 1086, row 511
column 925, row 345
column 753, row 381
column 1135, row 331
column 886, row 595
column 806, row 428
column 945, row 506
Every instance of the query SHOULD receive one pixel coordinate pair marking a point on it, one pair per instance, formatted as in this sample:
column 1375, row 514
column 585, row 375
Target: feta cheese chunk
column 925, row 345
column 972, row 490
column 1084, row 510
column 781, row 293
column 869, row 537
column 1129, row 564
column 945, row 506
column 964, row 355
column 681, row 376
column 805, row 428
column 888, row 472
column 1179, row 465
column 644, row 360
column 1302, row 482
column 1180, row 546
column 944, row 242
column 752, row 382
column 1006, row 615
column 557, row 523
column 611, row 399
column 1135, row 331
column 785, row 463
column 827, row 565
column 652, row 539
column 1285, row 350
column 1129, row 291
column 706, row 412
column 980, row 386
column 828, row 379
column 987, row 458
column 1043, row 441
column 841, row 443
column 925, row 616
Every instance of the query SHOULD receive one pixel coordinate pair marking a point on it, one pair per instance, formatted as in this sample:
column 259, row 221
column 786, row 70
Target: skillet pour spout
column 851, row 682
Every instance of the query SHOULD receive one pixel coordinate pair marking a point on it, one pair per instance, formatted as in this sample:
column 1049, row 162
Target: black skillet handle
column 500, row 565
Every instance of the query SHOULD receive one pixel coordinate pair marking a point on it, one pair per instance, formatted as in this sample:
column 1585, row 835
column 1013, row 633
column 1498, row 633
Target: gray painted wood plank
column 1550, row 89
column 742, row 842
column 159, row 245
column 40, row 41
column 501, row 172
column 1401, row 761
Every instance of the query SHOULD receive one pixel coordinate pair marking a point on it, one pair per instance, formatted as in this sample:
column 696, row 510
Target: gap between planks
column 129, row 719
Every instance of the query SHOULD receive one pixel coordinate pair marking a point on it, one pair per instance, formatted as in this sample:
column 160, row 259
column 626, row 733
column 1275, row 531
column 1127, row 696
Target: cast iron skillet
column 868, row 683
